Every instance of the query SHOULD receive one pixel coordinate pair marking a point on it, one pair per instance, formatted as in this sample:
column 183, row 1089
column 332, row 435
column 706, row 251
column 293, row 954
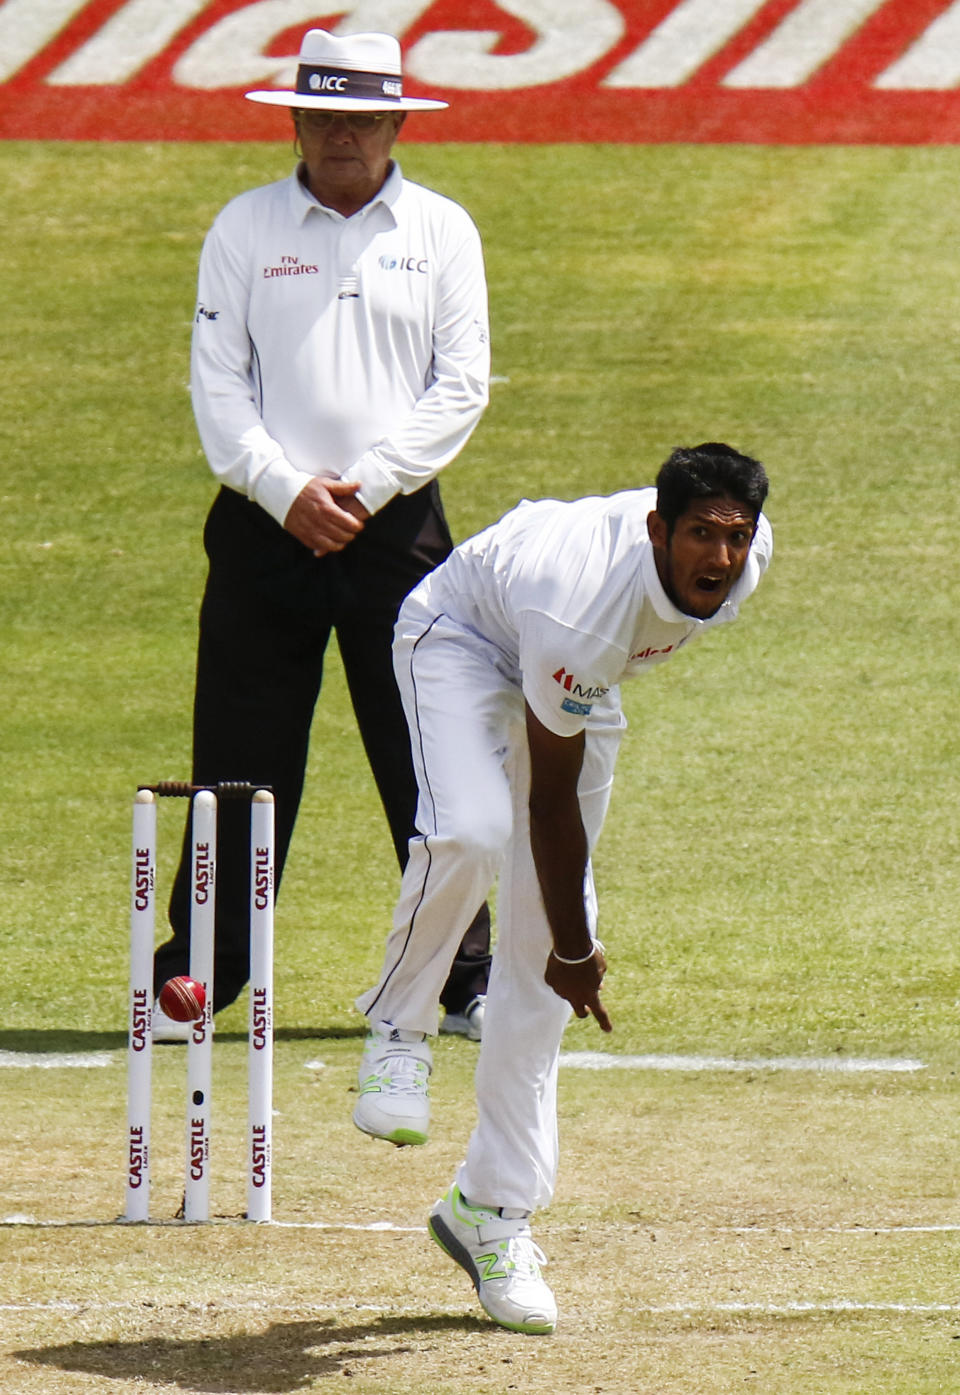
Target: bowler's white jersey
column 569, row 595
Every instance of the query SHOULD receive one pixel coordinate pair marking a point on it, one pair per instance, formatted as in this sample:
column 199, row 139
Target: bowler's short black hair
column 705, row 472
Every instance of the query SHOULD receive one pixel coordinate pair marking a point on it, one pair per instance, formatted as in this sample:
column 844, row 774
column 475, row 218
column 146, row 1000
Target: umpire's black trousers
column 266, row 617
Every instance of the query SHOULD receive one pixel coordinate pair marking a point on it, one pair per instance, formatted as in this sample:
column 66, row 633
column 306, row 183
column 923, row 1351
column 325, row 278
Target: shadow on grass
column 57, row 1040
column 287, row 1356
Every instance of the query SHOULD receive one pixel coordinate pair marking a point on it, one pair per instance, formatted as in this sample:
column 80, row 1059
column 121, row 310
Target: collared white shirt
column 353, row 347
column 570, row 597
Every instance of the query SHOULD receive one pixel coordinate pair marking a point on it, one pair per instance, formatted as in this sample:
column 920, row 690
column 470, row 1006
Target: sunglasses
column 354, row 120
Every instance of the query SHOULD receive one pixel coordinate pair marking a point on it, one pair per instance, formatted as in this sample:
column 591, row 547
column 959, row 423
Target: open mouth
column 710, row 584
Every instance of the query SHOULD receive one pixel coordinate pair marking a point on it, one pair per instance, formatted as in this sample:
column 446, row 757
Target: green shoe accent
column 404, row 1137
column 501, row 1259
column 392, row 1090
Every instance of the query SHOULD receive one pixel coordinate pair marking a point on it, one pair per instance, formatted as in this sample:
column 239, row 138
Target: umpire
column 340, row 360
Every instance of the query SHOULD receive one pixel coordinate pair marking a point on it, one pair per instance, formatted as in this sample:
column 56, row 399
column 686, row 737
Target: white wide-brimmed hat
column 357, row 72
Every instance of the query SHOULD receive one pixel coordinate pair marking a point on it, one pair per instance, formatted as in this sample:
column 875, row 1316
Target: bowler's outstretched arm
column 559, row 845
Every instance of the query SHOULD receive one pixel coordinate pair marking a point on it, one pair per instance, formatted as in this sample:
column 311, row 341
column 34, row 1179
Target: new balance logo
column 491, row 1266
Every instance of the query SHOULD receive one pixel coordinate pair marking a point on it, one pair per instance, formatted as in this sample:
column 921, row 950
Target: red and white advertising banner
column 790, row 71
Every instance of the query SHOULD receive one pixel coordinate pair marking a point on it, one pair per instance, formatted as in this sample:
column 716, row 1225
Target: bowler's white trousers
column 465, row 710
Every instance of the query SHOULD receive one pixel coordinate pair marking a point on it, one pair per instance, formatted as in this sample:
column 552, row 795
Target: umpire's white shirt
column 354, row 347
column 569, row 595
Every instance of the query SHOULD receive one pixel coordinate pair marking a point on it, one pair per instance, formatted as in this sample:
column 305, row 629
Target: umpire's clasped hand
column 326, row 515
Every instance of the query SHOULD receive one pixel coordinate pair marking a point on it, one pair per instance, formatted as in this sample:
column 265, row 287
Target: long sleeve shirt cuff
column 277, row 486
column 377, row 486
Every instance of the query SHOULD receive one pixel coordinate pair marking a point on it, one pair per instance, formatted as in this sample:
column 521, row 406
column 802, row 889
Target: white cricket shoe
column 468, row 1023
column 501, row 1258
column 164, row 1028
column 394, row 1103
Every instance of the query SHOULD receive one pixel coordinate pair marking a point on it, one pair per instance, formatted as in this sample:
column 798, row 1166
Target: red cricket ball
column 183, row 999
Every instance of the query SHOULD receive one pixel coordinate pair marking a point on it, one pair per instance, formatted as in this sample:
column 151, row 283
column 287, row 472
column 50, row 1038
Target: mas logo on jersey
column 584, row 691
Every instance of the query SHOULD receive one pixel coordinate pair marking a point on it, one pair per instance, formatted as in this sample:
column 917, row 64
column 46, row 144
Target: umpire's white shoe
column 164, row 1028
column 394, row 1103
column 468, row 1023
column 501, row 1258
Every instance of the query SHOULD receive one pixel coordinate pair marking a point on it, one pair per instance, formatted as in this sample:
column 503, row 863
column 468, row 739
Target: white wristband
column 586, row 958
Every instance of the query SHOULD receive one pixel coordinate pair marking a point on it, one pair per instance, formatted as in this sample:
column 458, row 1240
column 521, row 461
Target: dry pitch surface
column 778, row 1230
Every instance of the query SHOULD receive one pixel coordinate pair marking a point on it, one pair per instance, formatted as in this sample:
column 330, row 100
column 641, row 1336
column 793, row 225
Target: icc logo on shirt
column 404, row 264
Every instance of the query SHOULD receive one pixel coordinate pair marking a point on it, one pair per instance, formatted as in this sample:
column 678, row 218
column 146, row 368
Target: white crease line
column 836, row 1305
column 256, row 1305
column 840, row 1065
column 387, row 1226
column 29, row 1222
column 390, row 1228
column 45, row 1060
column 864, row 1229
column 575, row 1060
column 798, row 1308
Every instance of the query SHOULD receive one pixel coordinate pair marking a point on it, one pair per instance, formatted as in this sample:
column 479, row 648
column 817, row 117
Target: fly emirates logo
column 291, row 266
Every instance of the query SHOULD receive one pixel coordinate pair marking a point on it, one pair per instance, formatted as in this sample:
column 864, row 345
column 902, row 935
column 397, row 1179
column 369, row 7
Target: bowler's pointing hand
column 580, row 984
column 326, row 516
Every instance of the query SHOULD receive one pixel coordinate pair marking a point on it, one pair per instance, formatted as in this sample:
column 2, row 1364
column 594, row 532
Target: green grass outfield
column 781, row 867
